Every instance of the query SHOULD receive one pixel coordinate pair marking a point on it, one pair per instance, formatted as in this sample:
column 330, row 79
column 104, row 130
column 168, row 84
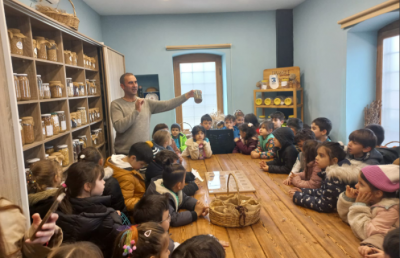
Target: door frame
column 198, row 58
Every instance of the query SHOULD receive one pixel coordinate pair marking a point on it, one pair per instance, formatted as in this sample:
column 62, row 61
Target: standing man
column 130, row 115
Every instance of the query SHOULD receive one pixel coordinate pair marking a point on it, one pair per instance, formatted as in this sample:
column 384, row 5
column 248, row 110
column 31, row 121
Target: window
column 388, row 80
column 198, row 72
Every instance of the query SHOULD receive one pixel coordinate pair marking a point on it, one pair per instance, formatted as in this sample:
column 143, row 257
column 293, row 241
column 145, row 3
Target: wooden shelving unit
column 296, row 103
column 33, row 24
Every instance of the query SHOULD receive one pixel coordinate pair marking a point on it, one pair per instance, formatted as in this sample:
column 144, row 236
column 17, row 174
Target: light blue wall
column 360, row 76
column 320, row 51
column 142, row 39
column 90, row 23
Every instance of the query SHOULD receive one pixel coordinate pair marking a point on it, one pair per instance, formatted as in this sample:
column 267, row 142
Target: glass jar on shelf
column 21, row 129
column 43, row 130
column 278, row 101
column 101, row 135
column 289, row 101
column 41, row 43
column 62, row 120
column 87, row 82
column 74, row 123
column 89, row 59
column 52, row 50
column 46, row 118
column 76, row 89
column 40, row 86
column 95, row 140
column 81, row 89
column 63, row 149
column 82, row 110
column 78, row 118
column 93, row 89
column 98, row 116
column 67, row 57
column 24, row 87
column 34, row 48
column 93, row 63
column 76, row 149
column 83, row 140
column 55, row 123
column 74, row 58
column 46, row 91
column 16, row 41
column 49, row 149
column 56, row 88
column 30, row 162
column 28, row 127
column 70, row 87
column 59, row 156
column 268, row 101
column 16, row 86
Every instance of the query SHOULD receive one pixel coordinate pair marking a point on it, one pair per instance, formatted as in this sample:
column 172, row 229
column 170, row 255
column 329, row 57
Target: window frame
column 197, row 58
column 388, row 31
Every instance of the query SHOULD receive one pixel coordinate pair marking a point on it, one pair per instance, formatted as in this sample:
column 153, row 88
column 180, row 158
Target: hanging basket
column 70, row 20
column 234, row 210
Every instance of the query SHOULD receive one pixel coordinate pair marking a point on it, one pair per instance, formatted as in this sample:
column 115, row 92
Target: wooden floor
column 285, row 230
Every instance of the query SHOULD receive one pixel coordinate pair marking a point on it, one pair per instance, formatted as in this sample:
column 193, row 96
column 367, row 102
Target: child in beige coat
column 372, row 209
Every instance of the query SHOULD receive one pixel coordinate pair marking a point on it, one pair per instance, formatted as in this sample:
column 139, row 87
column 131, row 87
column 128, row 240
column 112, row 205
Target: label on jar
column 82, row 92
column 35, row 51
column 44, row 131
column 94, row 66
column 70, row 91
column 63, row 125
column 79, row 121
column 49, row 130
column 19, row 45
column 55, row 119
column 70, row 58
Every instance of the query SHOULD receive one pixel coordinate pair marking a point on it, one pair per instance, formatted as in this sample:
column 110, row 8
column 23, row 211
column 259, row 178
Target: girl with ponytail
column 172, row 183
column 84, row 214
column 147, row 240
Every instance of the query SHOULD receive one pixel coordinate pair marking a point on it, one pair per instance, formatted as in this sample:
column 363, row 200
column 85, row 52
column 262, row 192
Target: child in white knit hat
column 372, row 209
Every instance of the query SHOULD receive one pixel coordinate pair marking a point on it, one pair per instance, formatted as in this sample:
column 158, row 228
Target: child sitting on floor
column 172, row 146
column 278, row 118
column 372, row 209
column 321, row 127
column 390, row 247
column 361, row 147
column 206, row 122
column 388, row 154
column 230, row 122
column 179, row 138
column 299, row 139
column 197, row 146
column 84, row 215
column 146, row 240
column 285, row 155
column 309, row 178
column 265, row 147
column 111, row 188
column 125, row 170
column 154, row 208
column 295, row 124
column 201, row 246
column 248, row 139
column 44, row 179
column 156, row 169
column 239, row 116
column 336, row 173
column 172, row 183
column 251, row 118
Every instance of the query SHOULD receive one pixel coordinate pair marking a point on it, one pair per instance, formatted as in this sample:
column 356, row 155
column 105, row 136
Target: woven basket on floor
column 234, row 210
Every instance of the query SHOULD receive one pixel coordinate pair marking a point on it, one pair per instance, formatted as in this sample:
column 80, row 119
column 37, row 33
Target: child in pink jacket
column 309, row 177
column 372, row 209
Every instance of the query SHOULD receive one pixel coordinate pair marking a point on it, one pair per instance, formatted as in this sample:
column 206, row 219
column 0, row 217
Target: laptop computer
column 221, row 141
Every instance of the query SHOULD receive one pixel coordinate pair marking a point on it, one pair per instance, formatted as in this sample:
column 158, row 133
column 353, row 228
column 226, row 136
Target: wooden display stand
column 282, row 73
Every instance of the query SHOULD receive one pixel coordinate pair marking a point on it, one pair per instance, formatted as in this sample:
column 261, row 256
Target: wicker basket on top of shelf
column 70, row 20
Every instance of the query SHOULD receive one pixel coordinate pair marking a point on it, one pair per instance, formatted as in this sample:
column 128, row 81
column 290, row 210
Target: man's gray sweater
column 133, row 126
